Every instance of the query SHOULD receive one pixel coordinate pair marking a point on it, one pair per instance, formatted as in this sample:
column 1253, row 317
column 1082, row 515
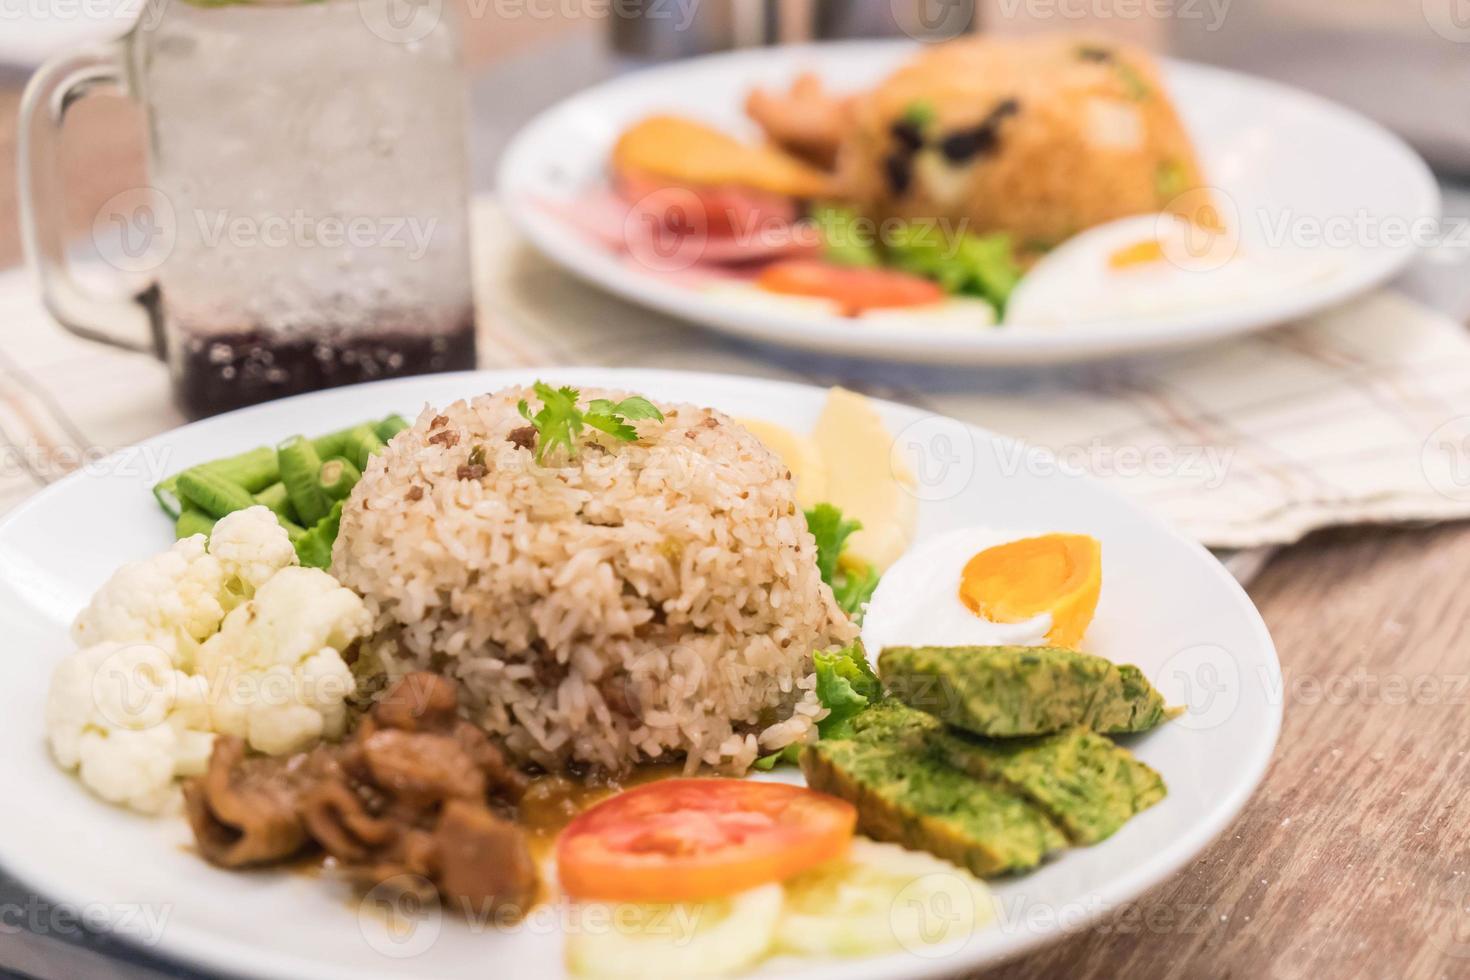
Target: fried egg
column 1155, row 266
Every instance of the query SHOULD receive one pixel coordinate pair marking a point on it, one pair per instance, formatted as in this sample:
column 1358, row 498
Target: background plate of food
column 977, row 202
column 599, row 675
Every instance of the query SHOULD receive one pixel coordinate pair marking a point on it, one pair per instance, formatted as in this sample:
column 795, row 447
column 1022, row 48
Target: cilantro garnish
column 561, row 423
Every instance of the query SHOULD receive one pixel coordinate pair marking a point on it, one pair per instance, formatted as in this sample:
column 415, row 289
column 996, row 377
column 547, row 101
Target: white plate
column 1275, row 153
column 1167, row 605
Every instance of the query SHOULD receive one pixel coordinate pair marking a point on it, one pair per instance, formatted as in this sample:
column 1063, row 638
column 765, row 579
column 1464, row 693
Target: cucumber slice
column 880, row 898
column 715, row 937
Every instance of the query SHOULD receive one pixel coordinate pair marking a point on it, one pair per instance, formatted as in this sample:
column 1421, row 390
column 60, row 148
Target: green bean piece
column 253, row 471
column 300, row 466
column 391, row 426
column 166, row 492
column 193, row 521
column 338, row 477
column 212, row 493
column 258, row 470
column 278, row 500
column 362, row 445
column 332, row 444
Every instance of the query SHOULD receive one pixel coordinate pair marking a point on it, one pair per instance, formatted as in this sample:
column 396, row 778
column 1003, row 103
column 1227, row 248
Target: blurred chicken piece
column 808, row 121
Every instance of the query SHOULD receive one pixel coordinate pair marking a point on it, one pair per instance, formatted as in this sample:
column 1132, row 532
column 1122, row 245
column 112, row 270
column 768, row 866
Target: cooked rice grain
column 640, row 601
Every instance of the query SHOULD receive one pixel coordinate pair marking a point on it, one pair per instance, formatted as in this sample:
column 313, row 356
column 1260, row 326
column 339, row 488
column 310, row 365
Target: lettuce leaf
column 965, row 264
column 846, row 686
column 852, row 581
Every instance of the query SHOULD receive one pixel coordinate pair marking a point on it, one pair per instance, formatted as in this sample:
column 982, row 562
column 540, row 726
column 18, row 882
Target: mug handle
column 61, row 82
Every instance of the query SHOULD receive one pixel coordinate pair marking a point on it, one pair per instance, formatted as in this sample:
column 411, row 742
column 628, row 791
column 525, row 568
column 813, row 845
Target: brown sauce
column 552, row 802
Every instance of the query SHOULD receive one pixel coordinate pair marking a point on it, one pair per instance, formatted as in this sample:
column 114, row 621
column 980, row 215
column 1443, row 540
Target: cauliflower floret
column 128, row 722
column 174, row 601
column 177, row 599
column 251, row 546
column 276, row 667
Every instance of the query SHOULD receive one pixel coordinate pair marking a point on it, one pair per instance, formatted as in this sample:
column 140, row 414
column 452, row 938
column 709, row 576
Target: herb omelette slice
column 1003, row 692
column 907, row 796
column 1088, row 785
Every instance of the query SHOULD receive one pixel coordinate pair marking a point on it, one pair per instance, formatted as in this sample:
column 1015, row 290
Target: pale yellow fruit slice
column 801, row 456
column 865, row 479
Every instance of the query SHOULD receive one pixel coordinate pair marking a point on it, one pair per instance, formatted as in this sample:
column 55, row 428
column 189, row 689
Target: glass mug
column 306, row 219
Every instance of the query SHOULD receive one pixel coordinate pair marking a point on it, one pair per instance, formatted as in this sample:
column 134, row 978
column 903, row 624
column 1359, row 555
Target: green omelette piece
column 1003, row 692
column 911, row 798
column 1087, row 784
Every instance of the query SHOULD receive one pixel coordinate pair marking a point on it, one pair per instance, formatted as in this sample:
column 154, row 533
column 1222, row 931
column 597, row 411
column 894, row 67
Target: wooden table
column 1353, row 858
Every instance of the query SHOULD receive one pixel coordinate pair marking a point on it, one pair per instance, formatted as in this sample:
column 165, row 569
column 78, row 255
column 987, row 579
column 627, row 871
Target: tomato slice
column 687, row 839
column 853, row 287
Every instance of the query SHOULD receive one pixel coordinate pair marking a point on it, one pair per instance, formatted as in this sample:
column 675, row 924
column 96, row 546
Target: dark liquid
column 219, row 372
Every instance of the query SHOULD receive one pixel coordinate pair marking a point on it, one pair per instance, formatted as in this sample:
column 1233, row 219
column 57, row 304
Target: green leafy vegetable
column 844, row 239
column 314, row 547
column 853, row 587
column 788, row 756
column 966, row 264
column 852, row 581
column 846, row 685
column 831, row 531
column 561, row 423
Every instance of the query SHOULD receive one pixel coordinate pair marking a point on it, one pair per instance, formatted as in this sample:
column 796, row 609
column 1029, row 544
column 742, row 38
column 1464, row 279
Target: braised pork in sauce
column 415, row 796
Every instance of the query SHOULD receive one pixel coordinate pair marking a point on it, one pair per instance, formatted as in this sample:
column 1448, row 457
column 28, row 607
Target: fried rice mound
column 646, row 601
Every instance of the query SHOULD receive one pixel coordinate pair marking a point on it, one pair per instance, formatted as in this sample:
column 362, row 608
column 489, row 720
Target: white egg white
column 1076, row 283
column 918, row 599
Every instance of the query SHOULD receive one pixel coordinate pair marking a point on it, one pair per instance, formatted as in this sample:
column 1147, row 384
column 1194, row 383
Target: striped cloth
column 1359, row 415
